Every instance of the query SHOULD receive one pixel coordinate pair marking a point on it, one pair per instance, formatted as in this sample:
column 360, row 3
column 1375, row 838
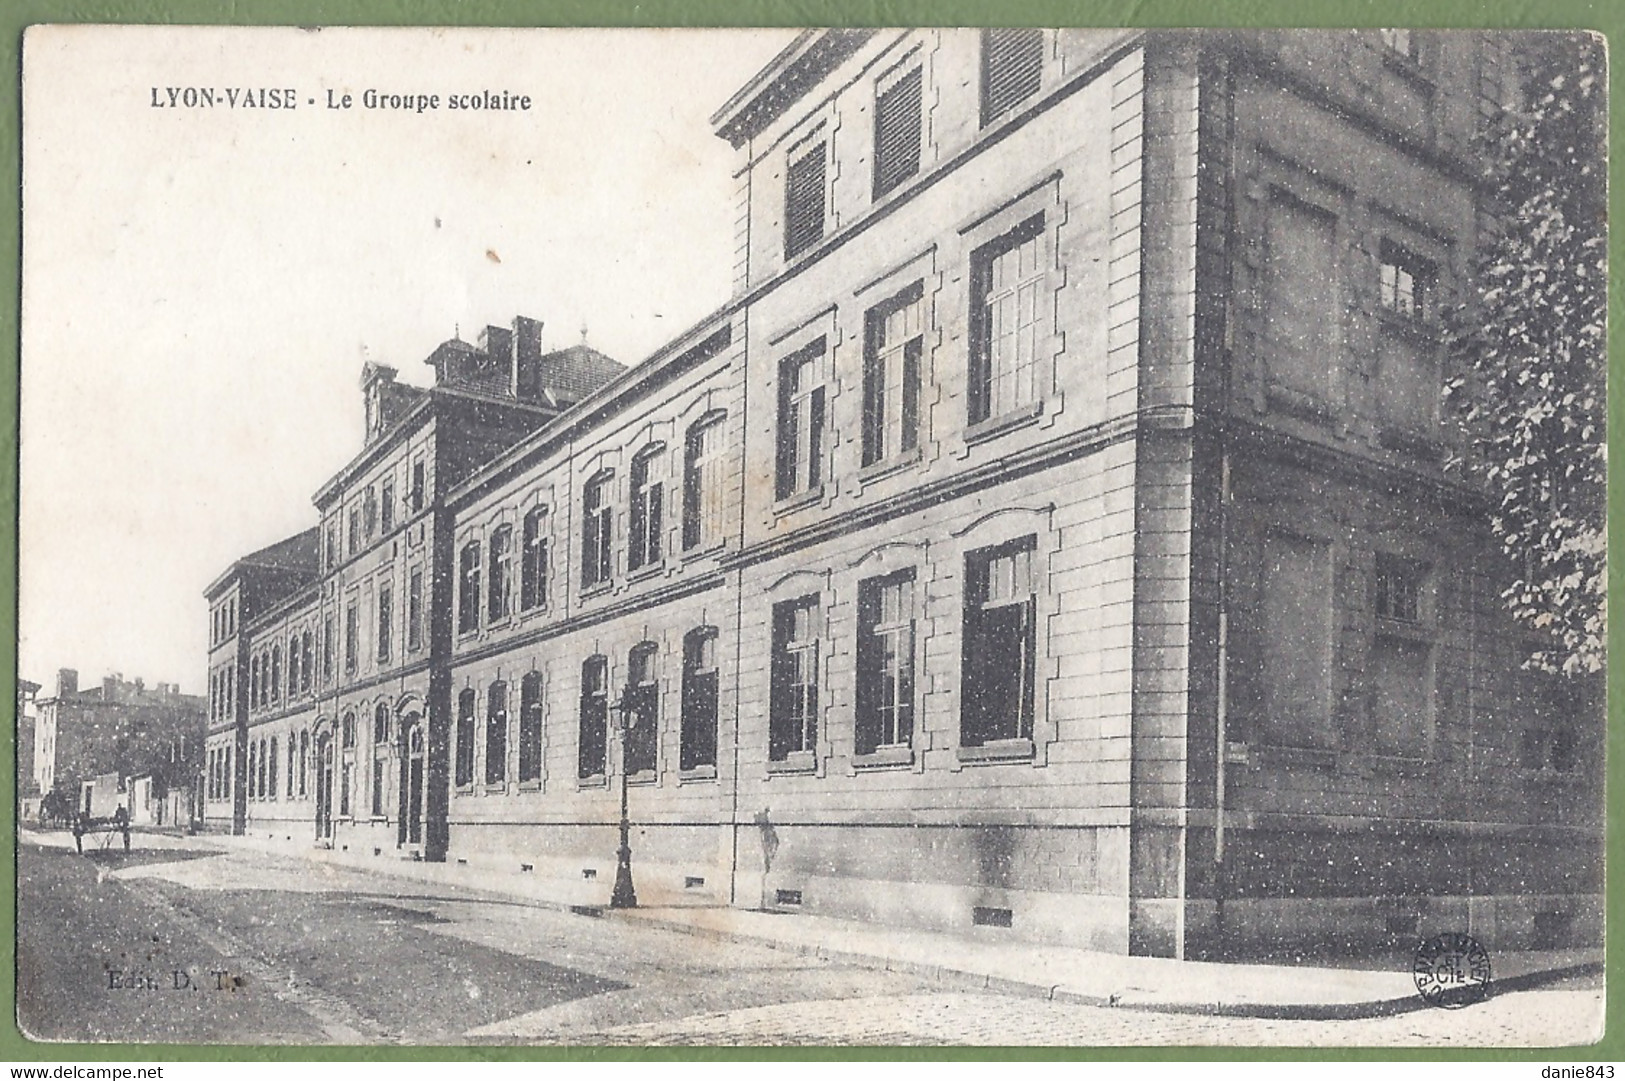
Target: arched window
column 305, row 664
column 380, row 759
column 533, row 561
column 645, row 516
column 594, row 729
column 293, row 665
column 271, row 760
column 293, row 759
column 698, row 748
column 703, row 478
column 496, row 733
column 530, row 727
column 499, row 591
column 276, row 672
column 597, row 533
column 253, row 751
column 254, row 681
column 468, row 590
column 465, row 738
column 304, row 762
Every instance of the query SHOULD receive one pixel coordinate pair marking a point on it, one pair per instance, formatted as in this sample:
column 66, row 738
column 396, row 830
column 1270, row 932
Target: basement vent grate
column 594, row 911
column 1401, row 923
column 693, row 882
column 1551, row 929
column 525, row 868
column 788, row 897
column 589, row 872
column 990, row 917
column 377, row 852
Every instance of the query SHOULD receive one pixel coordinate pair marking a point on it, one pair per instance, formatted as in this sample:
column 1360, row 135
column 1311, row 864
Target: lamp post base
column 623, row 896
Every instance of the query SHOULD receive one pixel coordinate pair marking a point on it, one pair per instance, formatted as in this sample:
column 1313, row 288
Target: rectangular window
column 386, row 620
column 271, row 760
column 699, row 722
column 352, row 638
column 1000, row 641
column 1007, row 323
column 496, row 734
column 414, row 610
column 897, row 130
column 386, row 505
column 597, row 535
column 530, row 728
column 646, row 518
column 1296, row 638
column 1301, row 310
column 1012, row 69
column 800, row 466
column 369, row 511
column 894, row 336
column 703, row 477
column 355, row 530
column 417, row 487
column 332, row 545
column 533, row 562
column 593, row 736
column 499, row 587
column 885, row 691
column 1407, row 283
column 804, row 200
column 1398, row 589
column 793, row 723
column 468, row 590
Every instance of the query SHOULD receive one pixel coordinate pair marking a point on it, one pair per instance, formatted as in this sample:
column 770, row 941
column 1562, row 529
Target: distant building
column 28, row 789
column 118, row 727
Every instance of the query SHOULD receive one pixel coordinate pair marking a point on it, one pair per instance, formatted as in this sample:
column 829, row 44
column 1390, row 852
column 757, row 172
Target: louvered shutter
column 804, row 201
column 786, row 465
column 897, row 133
column 1012, row 68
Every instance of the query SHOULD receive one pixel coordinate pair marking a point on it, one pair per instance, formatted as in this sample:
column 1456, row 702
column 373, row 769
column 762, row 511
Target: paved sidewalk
column 1011, row 966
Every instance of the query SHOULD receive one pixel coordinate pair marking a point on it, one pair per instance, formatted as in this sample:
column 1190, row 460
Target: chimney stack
column 67, row 682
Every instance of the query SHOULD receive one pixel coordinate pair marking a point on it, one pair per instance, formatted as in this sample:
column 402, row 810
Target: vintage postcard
column 962, row 537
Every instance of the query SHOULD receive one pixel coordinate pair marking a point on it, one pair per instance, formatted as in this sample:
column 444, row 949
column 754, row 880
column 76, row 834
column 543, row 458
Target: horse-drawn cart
column 102, row 808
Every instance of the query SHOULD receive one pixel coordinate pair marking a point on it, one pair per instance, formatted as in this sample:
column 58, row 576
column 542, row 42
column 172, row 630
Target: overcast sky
column 202, row 285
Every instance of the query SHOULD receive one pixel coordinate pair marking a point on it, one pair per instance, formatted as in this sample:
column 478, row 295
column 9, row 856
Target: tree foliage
column 1529, row 351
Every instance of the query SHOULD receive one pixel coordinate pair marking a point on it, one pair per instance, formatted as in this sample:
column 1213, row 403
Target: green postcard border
column 1609, row 18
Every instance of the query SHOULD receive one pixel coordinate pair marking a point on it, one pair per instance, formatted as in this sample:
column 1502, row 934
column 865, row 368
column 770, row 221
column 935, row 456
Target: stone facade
column 1050, row 535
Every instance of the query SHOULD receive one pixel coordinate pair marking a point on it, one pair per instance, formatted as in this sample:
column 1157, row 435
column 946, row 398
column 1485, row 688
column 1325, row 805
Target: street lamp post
column 624, row 895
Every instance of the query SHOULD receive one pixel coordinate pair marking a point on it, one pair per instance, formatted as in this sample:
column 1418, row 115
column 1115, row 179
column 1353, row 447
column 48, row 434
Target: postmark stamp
column 1451, row 971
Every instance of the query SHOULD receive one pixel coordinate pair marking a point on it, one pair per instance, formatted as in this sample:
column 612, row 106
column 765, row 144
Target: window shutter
column 866, row 734
column 874, row 390
column 657, row 499
column 636, row 550
column 911, row 396
column 1012, row 69
column 786, row 465
column 780, row 736
column 897, row 133
column 804, row 201
column 815, row 440
column 589, row 547
column 691, row 491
